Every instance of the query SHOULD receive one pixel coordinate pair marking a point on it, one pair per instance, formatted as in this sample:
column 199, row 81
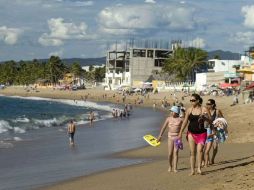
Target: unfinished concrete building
column 117, row 68
column 134, row 65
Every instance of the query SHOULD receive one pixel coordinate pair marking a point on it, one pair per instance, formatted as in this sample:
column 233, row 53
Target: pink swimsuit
column 174, row 126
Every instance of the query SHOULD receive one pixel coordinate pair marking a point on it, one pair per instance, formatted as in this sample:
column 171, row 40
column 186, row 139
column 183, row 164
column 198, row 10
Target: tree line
column 179, row 66
column 28, row 72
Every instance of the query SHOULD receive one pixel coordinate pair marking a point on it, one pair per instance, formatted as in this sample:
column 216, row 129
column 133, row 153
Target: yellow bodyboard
column 150, row 139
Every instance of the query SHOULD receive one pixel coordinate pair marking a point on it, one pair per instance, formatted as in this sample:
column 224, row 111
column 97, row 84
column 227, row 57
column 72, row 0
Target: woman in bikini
column 195, row 117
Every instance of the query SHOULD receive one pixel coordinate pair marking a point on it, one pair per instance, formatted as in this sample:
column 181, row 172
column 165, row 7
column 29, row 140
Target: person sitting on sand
column 71, row 131
column 173, row 123
column 196, row 134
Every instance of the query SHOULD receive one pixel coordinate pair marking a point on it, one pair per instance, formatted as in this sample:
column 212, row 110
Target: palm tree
column 56, row 68
column 184, row 61
column 76, row 69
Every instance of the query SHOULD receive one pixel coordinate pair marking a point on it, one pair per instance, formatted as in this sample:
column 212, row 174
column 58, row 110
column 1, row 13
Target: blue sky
column 87, row 28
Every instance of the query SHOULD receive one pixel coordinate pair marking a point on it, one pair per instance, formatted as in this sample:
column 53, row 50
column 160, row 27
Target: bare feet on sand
column 199, row 172
column 192, row 173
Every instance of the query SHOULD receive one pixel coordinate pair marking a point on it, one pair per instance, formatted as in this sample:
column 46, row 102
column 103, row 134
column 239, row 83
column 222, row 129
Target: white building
column 219, row 71
column 216, row 65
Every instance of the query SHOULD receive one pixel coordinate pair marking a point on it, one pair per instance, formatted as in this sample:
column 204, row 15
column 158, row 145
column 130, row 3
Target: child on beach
column 173, row 123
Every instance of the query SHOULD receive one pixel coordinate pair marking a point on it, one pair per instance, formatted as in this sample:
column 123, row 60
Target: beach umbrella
column 228, row 85
column 251, row 86
column 246, row 71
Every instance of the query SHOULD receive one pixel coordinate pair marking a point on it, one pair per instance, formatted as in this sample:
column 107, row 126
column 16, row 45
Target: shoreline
column 241, row 142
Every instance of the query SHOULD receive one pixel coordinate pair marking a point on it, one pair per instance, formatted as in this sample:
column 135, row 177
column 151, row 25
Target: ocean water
column 20, row 115
column 34, row 146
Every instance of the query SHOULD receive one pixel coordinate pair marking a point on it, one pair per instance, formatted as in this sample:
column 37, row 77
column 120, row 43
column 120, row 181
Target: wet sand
column 234, row 168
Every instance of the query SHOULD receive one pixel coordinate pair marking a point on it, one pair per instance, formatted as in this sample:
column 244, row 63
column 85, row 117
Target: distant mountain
column 82, row 61
column 86, row 61
column 224, row 55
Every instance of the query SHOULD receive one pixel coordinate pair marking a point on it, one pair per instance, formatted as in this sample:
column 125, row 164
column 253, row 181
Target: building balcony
column 116, row 75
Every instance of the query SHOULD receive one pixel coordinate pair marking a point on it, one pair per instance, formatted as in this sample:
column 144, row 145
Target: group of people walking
column 202, row 134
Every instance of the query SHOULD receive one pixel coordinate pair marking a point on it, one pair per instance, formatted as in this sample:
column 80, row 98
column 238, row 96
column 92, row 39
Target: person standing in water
column 173, row 123
column 91, row 117
column 196, row 116
column 71, row 131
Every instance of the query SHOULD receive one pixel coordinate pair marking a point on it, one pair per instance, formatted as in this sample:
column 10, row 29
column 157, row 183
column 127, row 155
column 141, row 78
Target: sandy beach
column 234, row 168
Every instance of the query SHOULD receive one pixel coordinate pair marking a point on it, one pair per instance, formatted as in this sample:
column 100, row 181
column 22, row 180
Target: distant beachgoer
column 91, row 117
column 129, row 107
column 196, row 134
column 114, row 113
column 182, row 110
column 173, row 123
column 71, row 131
column 235, row 100
column 121, row 114
column 215, row 113
column 86, row 96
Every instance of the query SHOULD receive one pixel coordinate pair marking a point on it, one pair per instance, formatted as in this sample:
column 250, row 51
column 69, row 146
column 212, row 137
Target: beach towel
column 220, row 123
column 221, row 126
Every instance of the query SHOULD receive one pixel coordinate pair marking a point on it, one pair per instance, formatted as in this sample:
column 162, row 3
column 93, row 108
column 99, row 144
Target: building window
column 119, row 64
column 150, row 53
column 139, row 53
column 112, row 55
column 161, row 54
column 211, row 64
column 158, row 63
column 127, row 55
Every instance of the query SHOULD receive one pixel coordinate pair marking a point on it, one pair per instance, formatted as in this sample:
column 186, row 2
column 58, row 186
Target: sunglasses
column 209, row 104
column 193, row 100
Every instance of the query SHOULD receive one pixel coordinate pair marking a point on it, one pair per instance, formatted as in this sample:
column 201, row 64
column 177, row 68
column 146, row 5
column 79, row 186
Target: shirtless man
column 71, row 131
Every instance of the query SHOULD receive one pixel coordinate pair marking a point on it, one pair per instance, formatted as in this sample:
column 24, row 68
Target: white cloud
column 83, row 3
column 46, row 40
column 60, row 31
column 141, row 17
column 9, row 35
column 197, row 42
column 150, row 1
column 57, row 53
column 248, row 12
column 116, row 31
column 120, row 46
column 246, row 38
